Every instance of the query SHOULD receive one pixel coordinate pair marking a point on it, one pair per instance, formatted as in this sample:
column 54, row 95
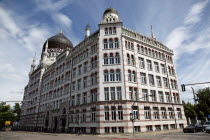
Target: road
column 21, row 135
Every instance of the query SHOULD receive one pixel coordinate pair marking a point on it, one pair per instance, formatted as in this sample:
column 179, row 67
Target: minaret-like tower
column 152, row 34
column 44, row 56
column 87, row 30
column 33, row 65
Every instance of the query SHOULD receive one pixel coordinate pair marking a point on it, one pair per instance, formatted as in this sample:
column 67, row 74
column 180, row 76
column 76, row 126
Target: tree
column 16, row 111
column 5, row 114
column 189, row 110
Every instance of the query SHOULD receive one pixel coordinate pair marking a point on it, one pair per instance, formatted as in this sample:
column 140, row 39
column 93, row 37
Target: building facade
column 115, row 75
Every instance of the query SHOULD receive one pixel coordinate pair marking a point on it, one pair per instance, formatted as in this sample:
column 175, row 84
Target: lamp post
column 132, row 115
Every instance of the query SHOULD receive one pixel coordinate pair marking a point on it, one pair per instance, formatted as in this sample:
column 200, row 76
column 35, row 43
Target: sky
column 182, row 25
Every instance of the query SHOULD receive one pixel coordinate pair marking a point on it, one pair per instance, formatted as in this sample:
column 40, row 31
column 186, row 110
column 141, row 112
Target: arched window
column 114, row 30
column 175, row 85
column 112, row 75
column 106, row 31
column 111, row 43
column 117, row 58
column 110, row 30
column 111, row 58
column 106, row 76
column 118, row 75
column 105, row 44
column 149, row 52
column 169, row 70
column 106, row 61
column 172, row 84
column 129, row 75
column 129, row 45
column 95, row 61
column 134, row 76
column 126, row 44
column 163, row 56
column 138, row 48
column 132, row 48
column 128, row 59
column 132, row 60
column 116, row 43
column 153, row 53
column 142, row 49
column 145, row 51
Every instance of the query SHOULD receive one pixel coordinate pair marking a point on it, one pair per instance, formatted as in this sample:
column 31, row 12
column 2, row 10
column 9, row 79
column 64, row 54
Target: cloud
column 54, row 9
column 194, row 14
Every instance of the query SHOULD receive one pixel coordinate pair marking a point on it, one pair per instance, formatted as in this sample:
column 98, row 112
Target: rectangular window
column 120, row 113
column 163, row 112
column 78, row 99
column 165, row 127
column 168, row 99
column 161, row 98
column 84, row 115
column 85, row 67
column 114, row 129
column 131, row 93
column 85, row 98
column 106, row 112
column 179, row 113
column 149, row 127
column 85, row 82
column 113, row 109
column 151, row 80
column 155, row 113
column 165, row 81
column 73, row 86
column 74, row 72
column 106, row 93
column 119, row 93
column 158, row 79
column 170, row 112
column 145, row 94
column 112, row 93
column 121, row 129
column 80, row 70
column 137, row 129
column 153, row 95
column 79, row 84
column 135, row 112
column 163, row 68
column 157, row 127
column 147, row 114
column 106, row 129
column 93, row 114
column 156, row 67
column 149, row 65
column 143, row 78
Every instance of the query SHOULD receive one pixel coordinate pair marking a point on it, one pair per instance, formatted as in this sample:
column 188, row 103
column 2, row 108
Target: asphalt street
column 170, row 135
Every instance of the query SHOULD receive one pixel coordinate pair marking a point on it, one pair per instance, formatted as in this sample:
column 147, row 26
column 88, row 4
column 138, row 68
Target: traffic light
column 183, row 87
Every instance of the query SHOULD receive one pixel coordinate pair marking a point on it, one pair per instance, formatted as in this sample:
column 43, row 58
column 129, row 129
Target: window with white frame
column 132, row 60
column 85, row 67
column 84, row 115
column 112, row 89
column 120, row 113
column 149, row 64
column 128, row 59
column 161, row 97
column 111, row 58
column 129, row 76
column 106, row 76
column 117, row 58
column 93, row 114
column 78, row 99
column 165, row 81
column 170, row 112
column 113, row 110
column 85, row 82
column 79, row 84
column 112, row 75
column 159, row 83
column 153, row 95
column 163, row 112
column 168, row 99
column 145, row 95
column 156, row 67
column 151, row 80
column 106, row 112
column 147, row 113
column 143, row 78
column 131, row 93
column 118, row 75
column 74, row 73
column 105, row 44
column 116, row 43
column 135, row 112
column 141, row 63
column 106, row 93
column 179, row 113
column 106, row 62
column 85, row 98
column 79, row 69
column 110, row 43
column 73, row 100
column 155, row 113
column 163, row 69
column 119, row 93
column 133, row 76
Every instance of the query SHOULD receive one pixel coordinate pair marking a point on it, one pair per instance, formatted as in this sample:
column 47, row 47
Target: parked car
column 193, row 128
column 207, row 129
column 206, row 124
column 3, row 129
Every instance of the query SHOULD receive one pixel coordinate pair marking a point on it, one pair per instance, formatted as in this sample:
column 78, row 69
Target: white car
column 206, row 124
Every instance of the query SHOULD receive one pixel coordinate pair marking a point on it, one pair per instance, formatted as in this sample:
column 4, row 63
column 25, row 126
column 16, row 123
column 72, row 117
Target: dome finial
column 152, row 33
column 61, row 31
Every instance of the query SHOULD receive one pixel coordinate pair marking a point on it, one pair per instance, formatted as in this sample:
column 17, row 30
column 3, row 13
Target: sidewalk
column 153, row 135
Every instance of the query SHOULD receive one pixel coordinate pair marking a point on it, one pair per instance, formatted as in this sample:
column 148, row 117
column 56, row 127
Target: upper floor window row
column 83, row 55
column 110, row 30
column 129, row 45
column 111, row 43
column 111, row 58
column 94, row 48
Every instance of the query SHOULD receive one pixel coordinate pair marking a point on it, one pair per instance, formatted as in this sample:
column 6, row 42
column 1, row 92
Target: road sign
column 7, row 122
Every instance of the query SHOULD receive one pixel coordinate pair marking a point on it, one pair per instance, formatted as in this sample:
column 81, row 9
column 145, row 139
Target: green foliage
column 202, row 109
column 8, row 114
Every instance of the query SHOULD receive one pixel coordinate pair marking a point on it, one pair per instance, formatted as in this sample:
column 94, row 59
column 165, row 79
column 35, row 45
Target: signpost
column 7, row 122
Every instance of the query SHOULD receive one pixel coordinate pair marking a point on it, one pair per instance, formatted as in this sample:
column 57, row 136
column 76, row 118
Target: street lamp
column 132, row 115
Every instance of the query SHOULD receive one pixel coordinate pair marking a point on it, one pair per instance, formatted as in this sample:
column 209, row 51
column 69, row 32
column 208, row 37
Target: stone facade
column 97, row 86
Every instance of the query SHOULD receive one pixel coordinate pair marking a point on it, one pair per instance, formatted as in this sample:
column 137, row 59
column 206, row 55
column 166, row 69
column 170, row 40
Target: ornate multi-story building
column 111, row 81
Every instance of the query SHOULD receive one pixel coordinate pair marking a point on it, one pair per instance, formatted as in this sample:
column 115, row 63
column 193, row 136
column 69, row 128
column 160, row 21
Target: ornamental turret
column 33, row 65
